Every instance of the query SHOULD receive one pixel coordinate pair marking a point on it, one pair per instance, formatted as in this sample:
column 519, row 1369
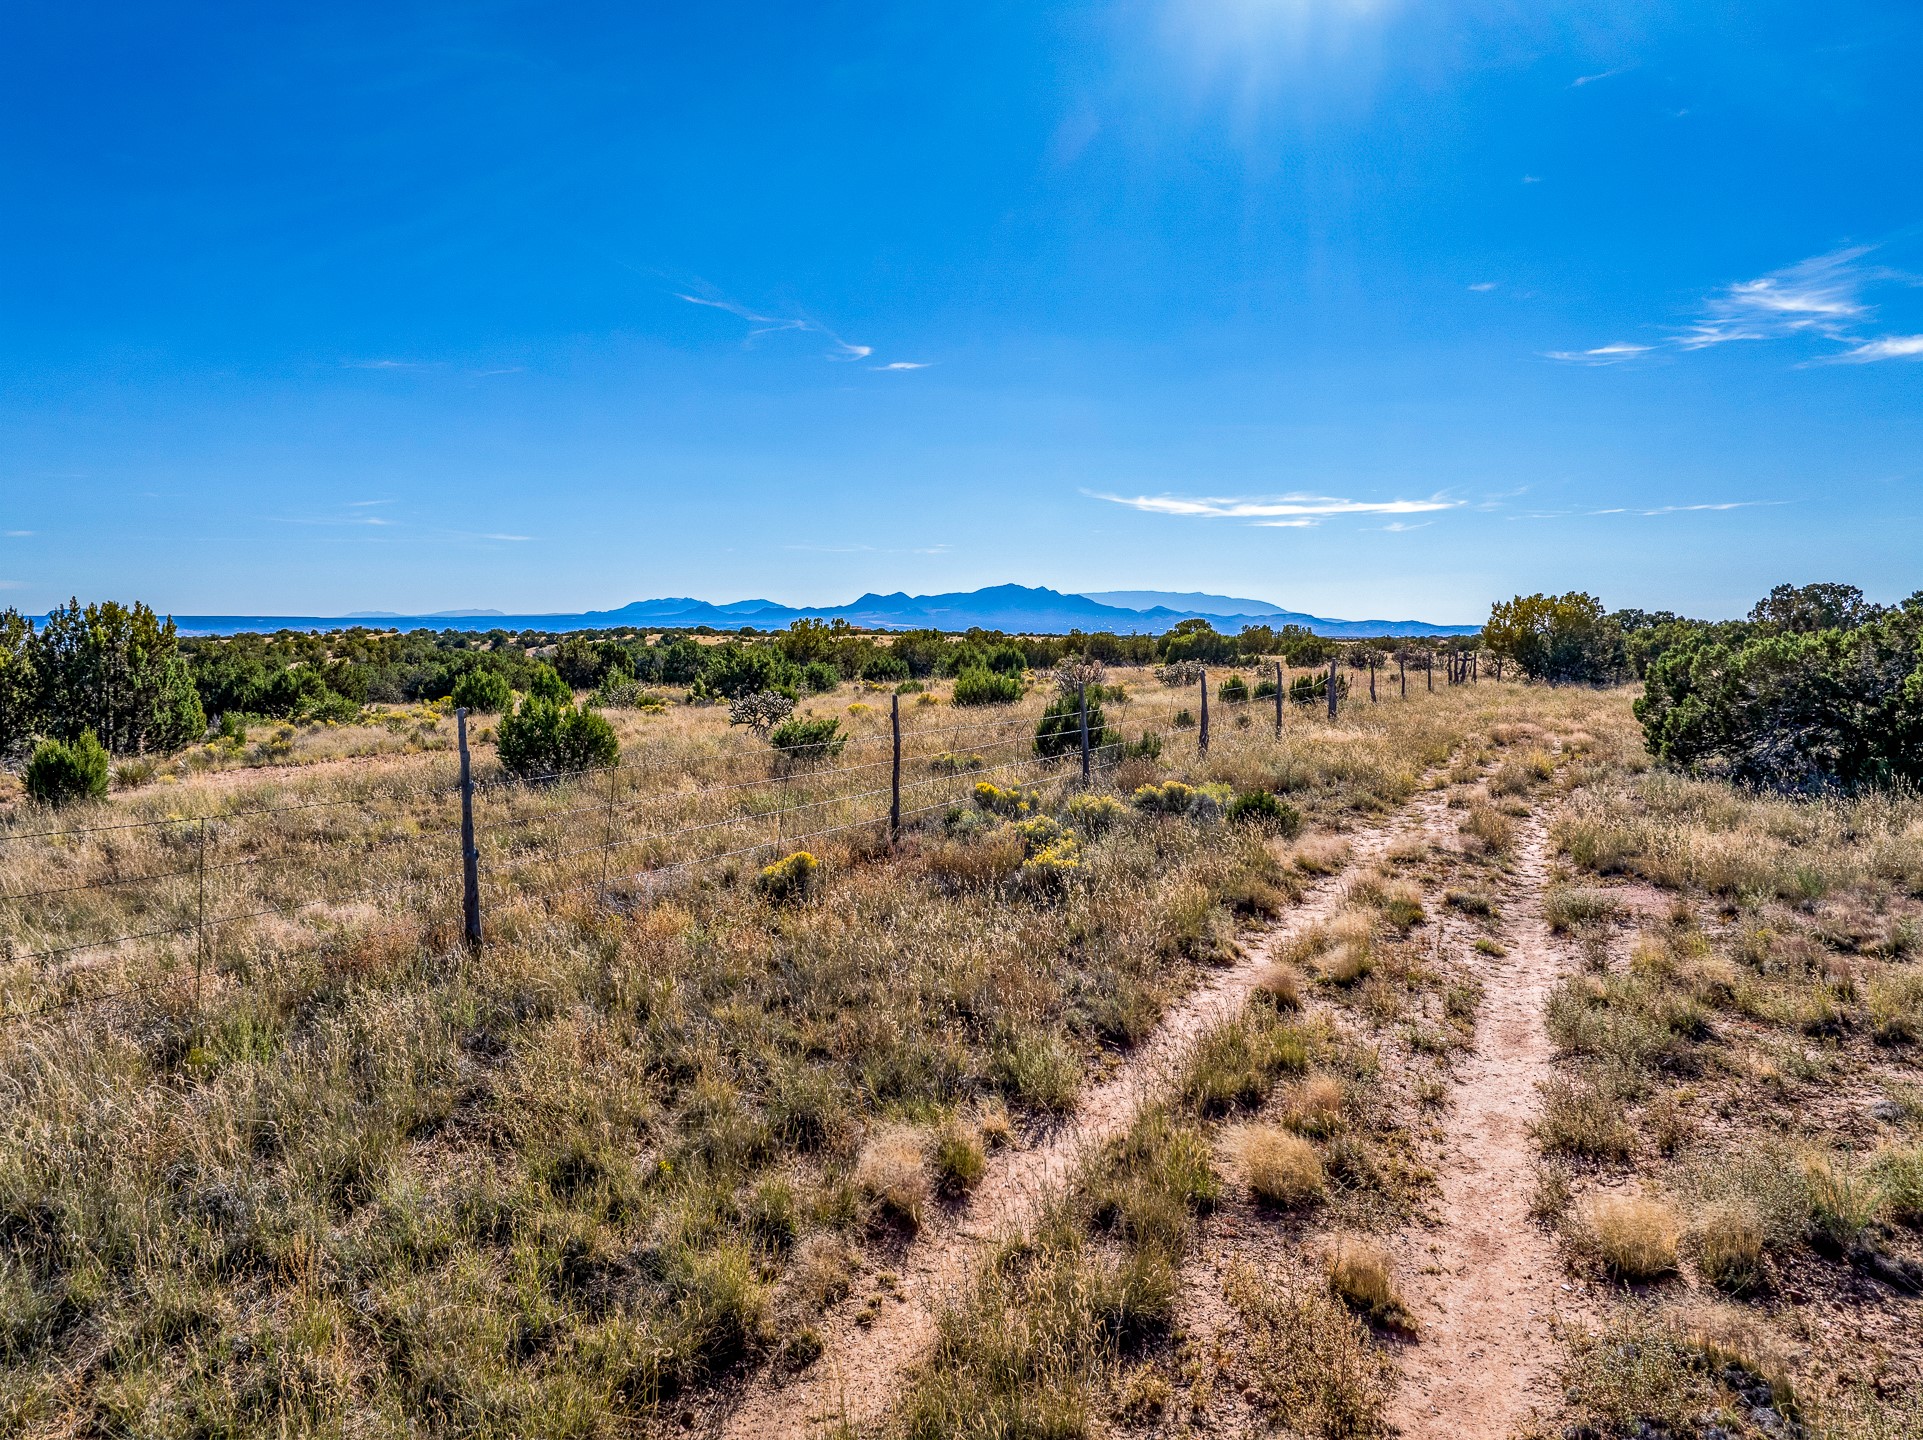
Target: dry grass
column 1278, row 1168
column 1315, row 1105
column 1360, row 1274
column 609, row 1160
column 1630, row 1236
column 1304, row 1360
column 1281, row 984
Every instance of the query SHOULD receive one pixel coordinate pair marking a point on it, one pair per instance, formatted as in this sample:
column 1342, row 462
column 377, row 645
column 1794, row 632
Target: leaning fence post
column 1278, row 699
column 1332, row 688
column 470, row 857
column 1084, row 693
column 894, row 783
column 1202, row 743
column 1372, row 677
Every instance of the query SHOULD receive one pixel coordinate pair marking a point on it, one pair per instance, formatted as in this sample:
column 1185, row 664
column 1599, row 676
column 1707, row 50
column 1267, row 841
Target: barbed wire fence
column 531, row 838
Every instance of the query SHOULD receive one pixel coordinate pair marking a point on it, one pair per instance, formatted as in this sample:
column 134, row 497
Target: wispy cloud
column 364, row 504
column 18, row 534
column 13, row 584
column 1821, row 295
column 384, row 364
column 1822, row 298
column 759, row 325
column 1582, row 80
column 903, row 365
column 1278, row 512
column 1603, row 354
column 1890, row 347
column 1638, row 510
column 1483, row 286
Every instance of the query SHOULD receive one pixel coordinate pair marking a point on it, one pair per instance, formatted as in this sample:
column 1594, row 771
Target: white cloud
column 1532, row 179
column 17, row 534
column 1603, row 354
column 1483, row 286
column 1275, row 512
column 903, row 365
column 1821, row 296
column 383, row 364
column 1582, row 80
column 1889, row 347
column 759, row 325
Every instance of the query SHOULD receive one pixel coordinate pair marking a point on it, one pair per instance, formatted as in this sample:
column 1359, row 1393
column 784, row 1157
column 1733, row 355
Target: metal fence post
column 470, row 857
column 1084, row 690
column 894, row 784
column 1202, row 742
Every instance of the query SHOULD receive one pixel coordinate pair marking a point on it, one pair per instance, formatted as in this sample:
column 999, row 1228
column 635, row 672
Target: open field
column 1519, row 1088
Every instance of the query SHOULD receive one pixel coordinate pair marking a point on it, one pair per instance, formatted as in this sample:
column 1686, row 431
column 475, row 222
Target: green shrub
column 795, row 877
column 1233, row 691
column 1059, row 731
column 545, row 683
column 818, row 677
column 60, row 773
column 483, row 692
column 882, row 666
column 544, row 740
column 1832, row 709
column 982, row 686
column 803, row 740
column 1259, row 807
column 1563, row 639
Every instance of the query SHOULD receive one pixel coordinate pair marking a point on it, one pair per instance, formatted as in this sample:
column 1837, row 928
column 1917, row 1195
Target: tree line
column 1817, row 689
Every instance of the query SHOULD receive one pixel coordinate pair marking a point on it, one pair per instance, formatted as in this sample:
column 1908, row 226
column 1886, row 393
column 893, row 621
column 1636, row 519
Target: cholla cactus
column 761, row 711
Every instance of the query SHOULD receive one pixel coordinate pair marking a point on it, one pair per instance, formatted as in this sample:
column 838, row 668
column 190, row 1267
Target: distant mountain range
column 1018, row 609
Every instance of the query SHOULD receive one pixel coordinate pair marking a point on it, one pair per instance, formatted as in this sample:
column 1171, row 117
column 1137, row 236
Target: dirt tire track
column 1487, row 1318
column 859, row 1371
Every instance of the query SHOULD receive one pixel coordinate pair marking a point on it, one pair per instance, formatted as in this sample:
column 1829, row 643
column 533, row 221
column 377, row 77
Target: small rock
column 1888, row 1111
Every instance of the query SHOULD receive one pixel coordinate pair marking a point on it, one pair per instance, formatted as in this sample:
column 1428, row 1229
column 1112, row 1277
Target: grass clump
column 1280, row 1169
column 959, row 1159
column 1280, row 983
column 1581, row 1118
column 1235, row 1063
column 1569, row 910
column 1631, row 1237
column 1304, row 1359
column 1731, row 1246
column 892, row 1174
column 1361, row 1276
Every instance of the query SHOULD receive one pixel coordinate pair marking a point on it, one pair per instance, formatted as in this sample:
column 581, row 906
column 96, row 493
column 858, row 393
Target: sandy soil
column 1487, row 1286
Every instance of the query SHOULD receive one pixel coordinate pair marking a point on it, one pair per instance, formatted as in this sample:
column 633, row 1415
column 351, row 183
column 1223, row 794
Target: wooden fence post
column 1278, row 699
column 1372, row 677
column 470, row 857
column 1332, row 688
column 1202, row 744
column 1084, row 709
column 200, row 945
column 1402, row 674
column 894, row 783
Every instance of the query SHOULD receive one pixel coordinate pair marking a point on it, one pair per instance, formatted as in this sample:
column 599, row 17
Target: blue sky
column 1359, row 306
